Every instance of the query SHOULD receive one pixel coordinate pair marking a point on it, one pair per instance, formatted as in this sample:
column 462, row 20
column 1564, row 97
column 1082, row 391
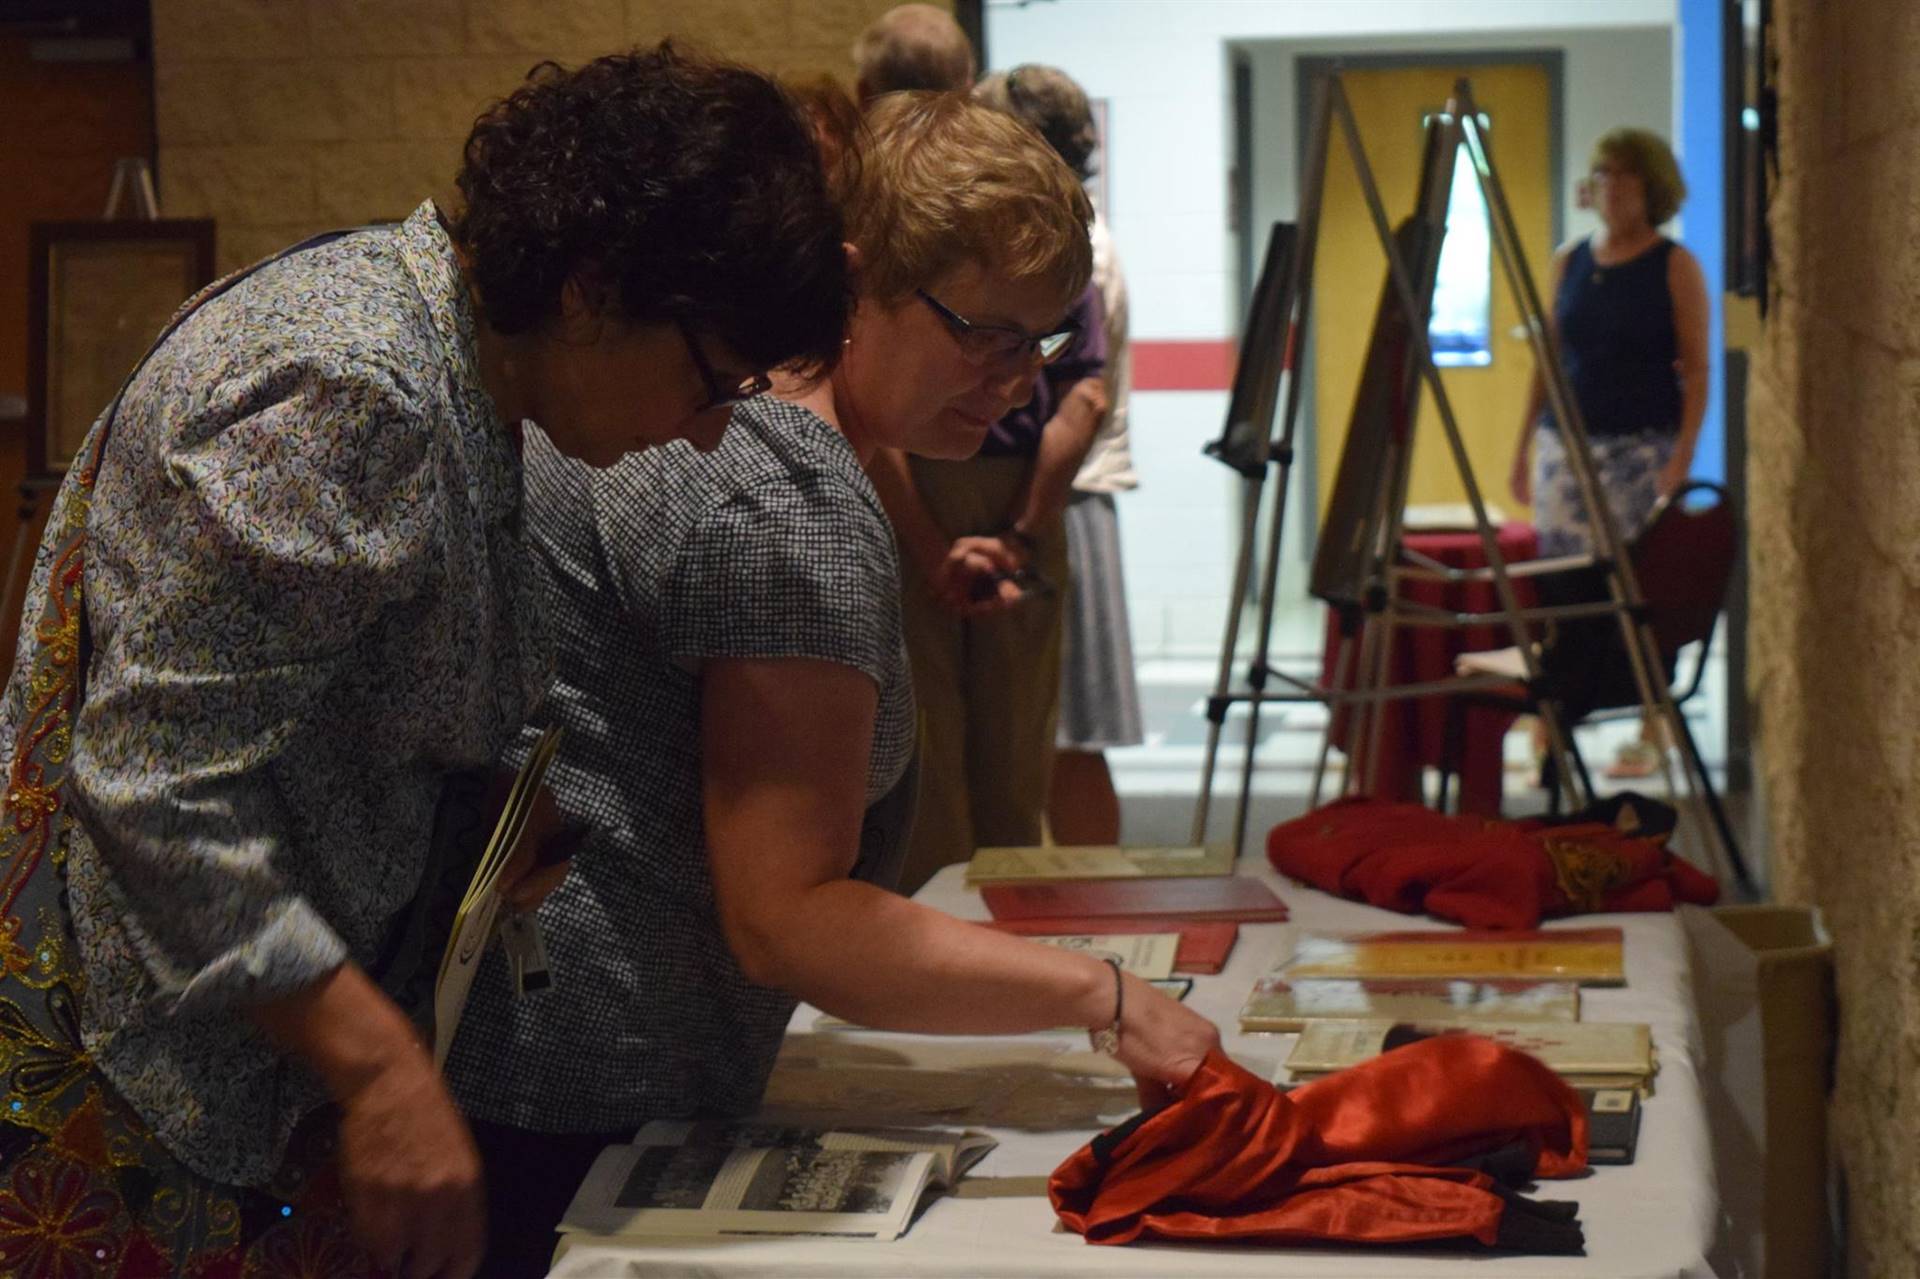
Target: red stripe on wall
column 1183, row 365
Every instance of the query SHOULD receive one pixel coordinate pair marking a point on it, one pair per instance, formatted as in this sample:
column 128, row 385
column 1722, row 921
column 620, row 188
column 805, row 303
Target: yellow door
column 1488, row 398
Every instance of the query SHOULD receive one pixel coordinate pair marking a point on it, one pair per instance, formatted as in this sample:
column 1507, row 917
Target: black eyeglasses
column 994, row 343
column 719, row 394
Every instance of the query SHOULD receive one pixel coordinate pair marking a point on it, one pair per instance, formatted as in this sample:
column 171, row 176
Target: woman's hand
column 1161, row 1041
column 1005, row 554
column 1091, row 392
column 410, row 1174
column 1674, row 474
column 539, row 864
column 930, row 556
column 982, row 569
column 970, row 577
column 408, row 1168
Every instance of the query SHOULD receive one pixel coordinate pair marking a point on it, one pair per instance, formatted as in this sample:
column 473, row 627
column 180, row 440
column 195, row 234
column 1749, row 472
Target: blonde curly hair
column 938, row 180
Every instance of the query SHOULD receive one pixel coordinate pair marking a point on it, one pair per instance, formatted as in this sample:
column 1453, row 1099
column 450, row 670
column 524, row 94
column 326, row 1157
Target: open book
column 706, row 1179
column 479, row 912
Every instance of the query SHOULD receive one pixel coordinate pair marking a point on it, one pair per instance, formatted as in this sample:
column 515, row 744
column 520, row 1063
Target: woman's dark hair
column 673, row 188
column 1053, row 103
column 838, row 130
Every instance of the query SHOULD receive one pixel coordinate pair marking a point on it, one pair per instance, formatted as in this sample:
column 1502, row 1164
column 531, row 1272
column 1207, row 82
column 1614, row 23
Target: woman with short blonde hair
column 970, row 187
column 739, row 711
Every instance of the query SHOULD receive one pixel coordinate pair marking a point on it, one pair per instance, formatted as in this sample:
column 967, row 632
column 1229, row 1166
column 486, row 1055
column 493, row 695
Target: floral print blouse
column 308, row 605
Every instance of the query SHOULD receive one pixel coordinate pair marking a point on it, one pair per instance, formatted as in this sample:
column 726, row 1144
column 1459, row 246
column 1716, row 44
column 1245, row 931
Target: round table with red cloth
column 1416, row 728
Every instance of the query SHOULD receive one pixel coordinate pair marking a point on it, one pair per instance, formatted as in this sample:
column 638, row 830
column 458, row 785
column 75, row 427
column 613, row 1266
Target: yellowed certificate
column 1280, row 1005
column 1616, row 1050
column 1590, row 956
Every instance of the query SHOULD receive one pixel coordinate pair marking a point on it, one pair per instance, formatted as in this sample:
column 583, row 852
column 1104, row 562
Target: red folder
column 1204, row 943
column 1234, row 897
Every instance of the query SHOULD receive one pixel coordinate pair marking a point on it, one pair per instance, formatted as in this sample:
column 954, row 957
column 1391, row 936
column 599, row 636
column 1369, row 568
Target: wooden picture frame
column 98, row 294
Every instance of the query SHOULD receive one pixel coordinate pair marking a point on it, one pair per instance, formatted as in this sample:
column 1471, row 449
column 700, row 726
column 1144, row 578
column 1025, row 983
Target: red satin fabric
column 1357, row 1157
column 1483, row 872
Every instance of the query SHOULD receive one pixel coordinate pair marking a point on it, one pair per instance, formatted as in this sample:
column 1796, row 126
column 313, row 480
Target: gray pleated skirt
column 1099, row 700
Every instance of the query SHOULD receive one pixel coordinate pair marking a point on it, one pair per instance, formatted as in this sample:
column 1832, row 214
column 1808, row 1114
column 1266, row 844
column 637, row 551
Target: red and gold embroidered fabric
column 1482, row 872
column 86, row 1190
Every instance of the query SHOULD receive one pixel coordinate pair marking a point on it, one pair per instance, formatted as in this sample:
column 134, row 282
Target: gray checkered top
column 774, row 545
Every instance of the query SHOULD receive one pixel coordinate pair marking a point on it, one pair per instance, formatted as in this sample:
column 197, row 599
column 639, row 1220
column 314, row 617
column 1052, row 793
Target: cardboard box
column 1763, row 978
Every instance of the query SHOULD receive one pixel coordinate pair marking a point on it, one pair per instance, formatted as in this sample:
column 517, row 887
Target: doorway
column 1477, row 334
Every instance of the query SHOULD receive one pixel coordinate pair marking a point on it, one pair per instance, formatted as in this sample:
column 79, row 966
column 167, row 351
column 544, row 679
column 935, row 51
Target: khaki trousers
column 988, row 688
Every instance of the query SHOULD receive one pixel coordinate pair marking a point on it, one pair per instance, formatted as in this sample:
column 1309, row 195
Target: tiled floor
column 1158, row 781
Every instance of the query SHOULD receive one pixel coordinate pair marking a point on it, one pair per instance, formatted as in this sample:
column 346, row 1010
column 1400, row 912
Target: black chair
column 1684, row 556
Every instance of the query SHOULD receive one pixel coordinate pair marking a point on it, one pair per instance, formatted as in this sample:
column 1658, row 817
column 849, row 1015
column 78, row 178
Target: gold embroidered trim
column 1585, row 871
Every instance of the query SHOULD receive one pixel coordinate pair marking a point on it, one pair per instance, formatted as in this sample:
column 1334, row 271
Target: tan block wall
column 1835, row 560
column 281, row 118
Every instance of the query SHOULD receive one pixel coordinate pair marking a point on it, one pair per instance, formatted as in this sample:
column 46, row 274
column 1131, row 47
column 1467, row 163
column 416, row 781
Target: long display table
column 1653, row 1219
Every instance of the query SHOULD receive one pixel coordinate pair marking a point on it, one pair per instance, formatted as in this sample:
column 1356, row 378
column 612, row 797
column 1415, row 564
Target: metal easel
column 1362, row 558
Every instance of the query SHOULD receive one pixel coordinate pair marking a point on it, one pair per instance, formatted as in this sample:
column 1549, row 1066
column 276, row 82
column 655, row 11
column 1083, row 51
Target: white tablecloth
column 1653, row 1219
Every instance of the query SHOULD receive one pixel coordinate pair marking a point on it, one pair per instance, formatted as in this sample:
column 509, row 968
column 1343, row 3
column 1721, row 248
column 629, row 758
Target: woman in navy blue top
column 1630, row 313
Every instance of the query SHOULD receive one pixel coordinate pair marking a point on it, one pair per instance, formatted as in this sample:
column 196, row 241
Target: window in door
column 1461, row 329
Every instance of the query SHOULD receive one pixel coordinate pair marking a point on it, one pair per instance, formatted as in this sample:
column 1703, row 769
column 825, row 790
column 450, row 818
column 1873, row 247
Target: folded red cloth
column 1361, row 1156
column 1483, row 872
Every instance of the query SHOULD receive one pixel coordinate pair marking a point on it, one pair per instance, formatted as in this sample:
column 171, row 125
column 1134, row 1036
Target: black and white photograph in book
column 761, row 1179
column 673, row 1177
column 849, row 1181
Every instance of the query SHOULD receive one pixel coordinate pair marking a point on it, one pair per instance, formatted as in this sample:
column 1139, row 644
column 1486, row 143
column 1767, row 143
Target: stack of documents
column 474, row 922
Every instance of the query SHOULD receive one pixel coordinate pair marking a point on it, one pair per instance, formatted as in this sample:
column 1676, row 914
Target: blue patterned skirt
column 1628, row 467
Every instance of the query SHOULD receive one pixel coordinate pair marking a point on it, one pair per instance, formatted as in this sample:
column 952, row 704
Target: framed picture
column 1384, row 408
column 99, row 293
column 1243, row 444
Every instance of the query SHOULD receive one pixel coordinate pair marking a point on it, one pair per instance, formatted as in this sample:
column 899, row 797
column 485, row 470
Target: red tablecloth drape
column 1415, row 733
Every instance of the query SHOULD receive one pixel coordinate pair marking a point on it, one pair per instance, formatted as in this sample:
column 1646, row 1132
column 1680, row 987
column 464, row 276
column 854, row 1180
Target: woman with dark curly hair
column 739, row 713
column 307, row 611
